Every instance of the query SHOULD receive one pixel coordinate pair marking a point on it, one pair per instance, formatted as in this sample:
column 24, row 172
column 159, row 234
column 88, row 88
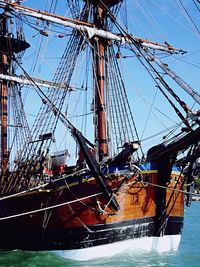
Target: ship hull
column 99, row 240
column 73, row 216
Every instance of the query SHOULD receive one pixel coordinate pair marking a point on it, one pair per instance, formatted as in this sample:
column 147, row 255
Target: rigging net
column 122, row 122
column 31, row 157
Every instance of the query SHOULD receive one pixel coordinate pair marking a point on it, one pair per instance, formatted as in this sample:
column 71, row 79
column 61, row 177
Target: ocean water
column 188, row 254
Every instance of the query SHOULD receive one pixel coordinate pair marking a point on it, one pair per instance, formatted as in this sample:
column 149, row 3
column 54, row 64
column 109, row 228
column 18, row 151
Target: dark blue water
column 187, row 256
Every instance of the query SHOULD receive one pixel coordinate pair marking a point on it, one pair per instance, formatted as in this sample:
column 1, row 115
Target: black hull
column 82, row 237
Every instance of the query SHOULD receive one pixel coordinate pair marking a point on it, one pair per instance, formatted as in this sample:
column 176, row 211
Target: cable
column 84, row 198
column 190, row 18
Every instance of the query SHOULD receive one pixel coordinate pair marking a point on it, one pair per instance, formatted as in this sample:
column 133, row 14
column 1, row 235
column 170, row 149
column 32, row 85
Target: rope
column 169, row 188
column 91, row 196
column 79, row 219
column 37, row 188
column 42, row 186
column 47, row 215
column 47, row 208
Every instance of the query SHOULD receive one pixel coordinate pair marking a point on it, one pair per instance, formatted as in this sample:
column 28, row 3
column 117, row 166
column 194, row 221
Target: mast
column 99, row 54
column 99, row 77
column 8, row 46
column 4, row 68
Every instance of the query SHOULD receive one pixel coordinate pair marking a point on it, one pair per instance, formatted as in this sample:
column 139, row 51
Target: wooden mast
column 4, row 65
column 8, row 46
column 100, row 45
column 99, row 55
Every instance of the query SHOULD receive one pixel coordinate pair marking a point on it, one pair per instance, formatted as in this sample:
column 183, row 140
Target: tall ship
column 85, row 169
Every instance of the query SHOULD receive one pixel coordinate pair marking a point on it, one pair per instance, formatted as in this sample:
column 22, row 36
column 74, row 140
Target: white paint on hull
column 159, row 244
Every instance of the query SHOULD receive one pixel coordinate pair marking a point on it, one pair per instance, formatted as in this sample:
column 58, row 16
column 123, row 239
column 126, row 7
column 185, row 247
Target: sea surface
column 188, row 254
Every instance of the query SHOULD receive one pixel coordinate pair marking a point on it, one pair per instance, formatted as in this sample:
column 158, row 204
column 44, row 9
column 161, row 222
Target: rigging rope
column 85, row 198
column 32, row 156
column 190, row 18
column 120, row 108
column 145, row 56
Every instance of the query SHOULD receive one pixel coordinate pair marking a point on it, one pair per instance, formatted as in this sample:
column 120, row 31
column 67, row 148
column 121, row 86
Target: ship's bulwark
column 84, row 221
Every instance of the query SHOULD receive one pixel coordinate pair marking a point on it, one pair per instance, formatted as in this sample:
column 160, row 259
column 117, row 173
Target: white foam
column 159, row 244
